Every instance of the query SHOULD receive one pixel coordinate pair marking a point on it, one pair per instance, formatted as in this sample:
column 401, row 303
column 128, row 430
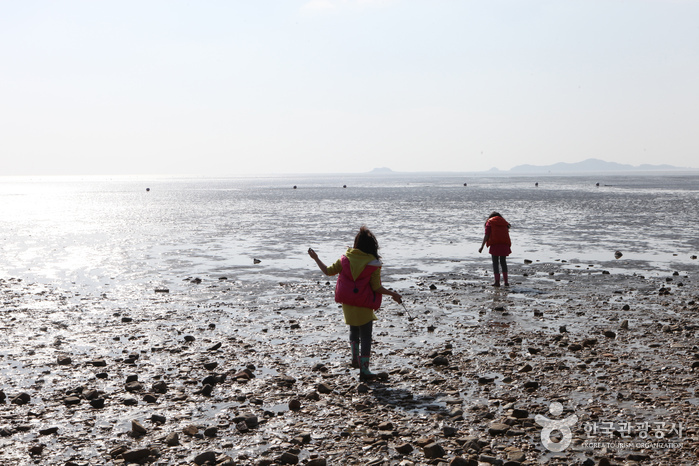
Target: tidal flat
column 225, row 372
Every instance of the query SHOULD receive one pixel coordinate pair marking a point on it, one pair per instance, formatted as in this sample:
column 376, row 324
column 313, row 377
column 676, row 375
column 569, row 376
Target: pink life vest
column 356, row 292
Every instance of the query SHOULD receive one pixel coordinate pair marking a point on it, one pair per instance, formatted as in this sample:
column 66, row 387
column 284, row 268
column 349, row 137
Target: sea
column 127, row 235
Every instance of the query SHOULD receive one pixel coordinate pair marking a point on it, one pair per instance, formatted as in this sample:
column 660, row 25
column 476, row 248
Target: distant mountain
column 589, row 165
column 381, row 171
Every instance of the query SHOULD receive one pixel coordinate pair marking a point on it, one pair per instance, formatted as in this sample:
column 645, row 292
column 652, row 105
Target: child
column 497, row 237
column 359, row 290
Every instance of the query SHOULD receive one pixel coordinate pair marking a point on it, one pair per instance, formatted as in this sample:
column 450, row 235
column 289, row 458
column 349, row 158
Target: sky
column 344, row 86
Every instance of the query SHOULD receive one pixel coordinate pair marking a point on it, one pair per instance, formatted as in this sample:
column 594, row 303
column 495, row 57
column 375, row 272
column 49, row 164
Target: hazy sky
column 239, row 87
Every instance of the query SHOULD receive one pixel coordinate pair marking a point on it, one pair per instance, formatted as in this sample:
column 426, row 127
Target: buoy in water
column 294, row 186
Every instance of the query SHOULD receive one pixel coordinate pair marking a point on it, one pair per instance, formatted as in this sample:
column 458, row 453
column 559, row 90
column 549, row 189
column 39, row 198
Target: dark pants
column 362, row 334
column 502, row 260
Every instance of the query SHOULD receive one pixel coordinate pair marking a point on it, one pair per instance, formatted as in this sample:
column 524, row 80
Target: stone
column 136, row 455
column 137, row 428
column 159, row 387
column 97, row 403
column 324, row 388
column 459, row 461
column 288, row 458
column 498, row 428
column 21, row 399
column 206, row 457
column 64, row 360
column 440, row 361
column 317, row 462
column 386, row 425
column 207, row 390
column 48, row 431
column 433, row 450
column 172, row 439
column 134, row 386
column 294, row 404
column 190, row 430
column 404, row 448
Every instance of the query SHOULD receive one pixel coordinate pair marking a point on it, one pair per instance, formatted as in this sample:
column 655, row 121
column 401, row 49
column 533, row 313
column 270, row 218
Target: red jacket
column 499, row 231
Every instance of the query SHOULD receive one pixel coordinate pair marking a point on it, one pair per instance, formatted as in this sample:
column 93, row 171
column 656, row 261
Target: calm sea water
column 115, row 235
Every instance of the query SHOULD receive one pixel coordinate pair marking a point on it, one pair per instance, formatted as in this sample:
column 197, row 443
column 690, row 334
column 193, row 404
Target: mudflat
column 231, row 373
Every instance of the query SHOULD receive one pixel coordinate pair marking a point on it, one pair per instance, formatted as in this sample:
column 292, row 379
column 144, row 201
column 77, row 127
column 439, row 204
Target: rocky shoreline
column 234, row 373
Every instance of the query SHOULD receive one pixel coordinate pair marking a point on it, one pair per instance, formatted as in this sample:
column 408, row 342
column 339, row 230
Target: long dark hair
column 366, row 242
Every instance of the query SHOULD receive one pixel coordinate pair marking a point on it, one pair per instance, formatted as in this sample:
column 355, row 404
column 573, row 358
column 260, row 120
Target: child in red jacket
column 497, row 238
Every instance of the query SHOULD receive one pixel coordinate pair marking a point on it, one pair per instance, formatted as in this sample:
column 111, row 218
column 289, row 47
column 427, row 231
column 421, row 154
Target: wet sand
column 228, row 372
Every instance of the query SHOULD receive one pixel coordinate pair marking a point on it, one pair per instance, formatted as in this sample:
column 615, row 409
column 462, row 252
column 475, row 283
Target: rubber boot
column 364, row 372
column 355, row 354
column 366, row 375
column 497, row 280
column 504, row 277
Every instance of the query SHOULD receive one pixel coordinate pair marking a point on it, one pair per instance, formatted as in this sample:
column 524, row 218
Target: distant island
column 586, row 166
column 590, row 165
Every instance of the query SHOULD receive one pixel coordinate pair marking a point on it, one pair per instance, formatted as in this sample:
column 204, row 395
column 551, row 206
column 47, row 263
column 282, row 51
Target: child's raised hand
column 312, row 253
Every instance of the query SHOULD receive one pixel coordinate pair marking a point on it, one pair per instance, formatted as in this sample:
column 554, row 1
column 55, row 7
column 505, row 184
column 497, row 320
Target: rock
column 317, row 462
column 48, row 431
column 532, row 385
column 207, row 390
column 2, row 396
column 498, row 428
column 161, row 289
column 249, row 419
column 618, row 254
column 624, row 325
column 386, row 425
column 172, row 439
column 206, row 457
column 97, row 403
column 137, row 428
column 440, row 361
column 64, row 360
column 211, row 432
column 289, row 458
column 36, row 449
column 215, row 347
column 158, row 419
column 459, row 461
column 404, row 448
column 134, row 386
column 294, row 404
column 190, row 430
column 609, row 334
column 71, row 400
column 449, row 431
column 159, row 387
column 209, row 366
column 133, row 456
column 21, row 399
column 150, row 398
column 189, row 338
column 433, row 450
column 525, row 368
column 520, row 413
column 324, row 388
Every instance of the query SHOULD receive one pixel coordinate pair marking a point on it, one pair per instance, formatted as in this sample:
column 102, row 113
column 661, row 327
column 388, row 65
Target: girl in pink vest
column 359, row 290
